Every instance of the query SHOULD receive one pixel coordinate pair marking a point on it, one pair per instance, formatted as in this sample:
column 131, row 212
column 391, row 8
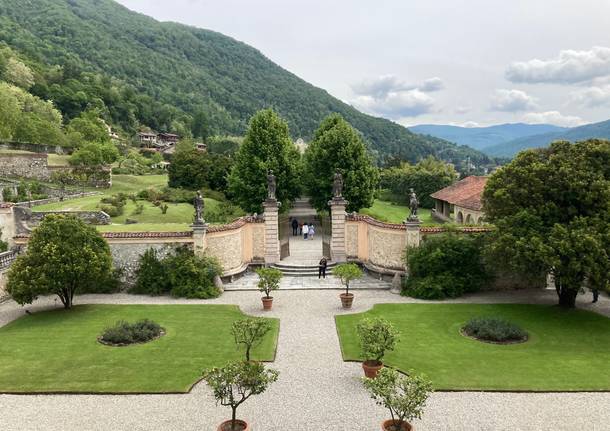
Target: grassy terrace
column 57, row 351
column 391, row 213
column 177, row 218
column 566, row 351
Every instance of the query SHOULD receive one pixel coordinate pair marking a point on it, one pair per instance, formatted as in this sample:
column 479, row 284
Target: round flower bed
column 494, row 330
column 125, row 333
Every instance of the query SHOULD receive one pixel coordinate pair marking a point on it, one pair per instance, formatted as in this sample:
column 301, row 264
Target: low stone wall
column 6, row 259
column 33, row 166
column 35, row 148
column 89, row 217
column 57, row 198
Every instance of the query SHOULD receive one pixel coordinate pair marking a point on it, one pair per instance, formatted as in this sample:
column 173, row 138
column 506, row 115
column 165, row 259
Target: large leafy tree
column 338, row 146
column 267, row 146
column 64, row 256
column 551, row 208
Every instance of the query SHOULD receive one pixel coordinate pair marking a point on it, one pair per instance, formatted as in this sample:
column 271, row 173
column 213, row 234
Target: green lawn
column 57, row 351
column 567, row 350
column 177, row 218
column 391, row 213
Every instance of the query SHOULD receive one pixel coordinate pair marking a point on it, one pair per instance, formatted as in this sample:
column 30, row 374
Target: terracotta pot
column 241, row 426
column 347, row 299
column 267, row 302
column 371, row 368
column 391, row 425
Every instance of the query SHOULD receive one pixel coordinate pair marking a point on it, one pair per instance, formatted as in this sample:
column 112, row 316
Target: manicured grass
column 566, row 350
column 391, row 213
column 58, row 160
column 57, row 351
column 151, row 217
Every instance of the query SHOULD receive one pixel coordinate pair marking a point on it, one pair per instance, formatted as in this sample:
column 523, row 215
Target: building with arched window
column 460, row 202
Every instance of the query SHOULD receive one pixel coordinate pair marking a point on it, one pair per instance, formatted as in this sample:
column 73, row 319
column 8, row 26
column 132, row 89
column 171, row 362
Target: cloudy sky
column 463, row 62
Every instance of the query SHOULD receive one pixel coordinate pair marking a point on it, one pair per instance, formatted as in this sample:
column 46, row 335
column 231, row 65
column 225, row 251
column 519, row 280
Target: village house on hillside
column 461, row 202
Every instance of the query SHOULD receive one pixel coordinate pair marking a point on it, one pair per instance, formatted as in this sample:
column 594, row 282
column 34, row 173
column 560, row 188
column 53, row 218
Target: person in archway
column 295, row 227
column 322, row 268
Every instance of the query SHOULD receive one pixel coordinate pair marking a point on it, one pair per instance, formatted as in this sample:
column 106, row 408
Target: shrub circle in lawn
column 125, row 334
column 494, row 330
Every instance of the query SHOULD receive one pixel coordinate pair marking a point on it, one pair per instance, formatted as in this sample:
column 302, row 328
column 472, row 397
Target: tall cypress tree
column 338, row 146
column 267, row 146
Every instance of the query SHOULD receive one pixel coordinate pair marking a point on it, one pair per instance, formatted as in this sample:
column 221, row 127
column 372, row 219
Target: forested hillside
column 140, row 72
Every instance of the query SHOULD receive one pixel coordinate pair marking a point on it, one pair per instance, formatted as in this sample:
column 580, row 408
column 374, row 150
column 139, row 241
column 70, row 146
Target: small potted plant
column 235, row 383
column 377, row 336
column 250, row 332
column 347, row 272
column 404, row 396
column 269, row 280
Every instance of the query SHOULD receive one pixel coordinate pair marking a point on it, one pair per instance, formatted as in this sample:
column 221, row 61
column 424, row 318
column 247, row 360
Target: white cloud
column 470, row 124
column 396, row 105
column 570, row 67
column 512, row 101
column 553, row 117
column 593, row 97
column 391, row 97
column 462, row 109
column 431, row 84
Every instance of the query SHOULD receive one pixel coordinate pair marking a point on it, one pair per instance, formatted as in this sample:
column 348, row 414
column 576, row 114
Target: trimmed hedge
column 494, row 329
column 123, row 333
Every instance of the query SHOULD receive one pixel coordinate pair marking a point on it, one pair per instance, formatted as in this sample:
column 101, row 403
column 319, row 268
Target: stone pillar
column 272, row 237
column 199, row 238
column 413, row 235
column 337, row 241
column 7, row 224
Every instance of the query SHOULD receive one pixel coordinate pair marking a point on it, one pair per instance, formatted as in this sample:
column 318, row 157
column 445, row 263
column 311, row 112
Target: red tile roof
column 465, row 193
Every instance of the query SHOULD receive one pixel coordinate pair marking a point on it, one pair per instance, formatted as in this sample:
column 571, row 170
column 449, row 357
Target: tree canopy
column 337, row 146
column 551, row 208
column 64, row 256
column 266, row 147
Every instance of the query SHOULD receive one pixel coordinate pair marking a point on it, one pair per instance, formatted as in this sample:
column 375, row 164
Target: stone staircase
column 295, row 270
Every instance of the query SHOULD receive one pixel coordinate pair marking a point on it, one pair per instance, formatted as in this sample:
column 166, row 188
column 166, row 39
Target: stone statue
column 413, row 205
column 337, row 184
column 199, row 204
column 271, row 186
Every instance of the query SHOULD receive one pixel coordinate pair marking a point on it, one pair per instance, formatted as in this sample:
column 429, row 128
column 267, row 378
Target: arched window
column 460, row 217
column 468, row 219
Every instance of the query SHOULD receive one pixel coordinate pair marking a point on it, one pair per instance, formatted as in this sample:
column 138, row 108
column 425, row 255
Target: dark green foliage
column 494, row 329
column 202, row 82
column 131, row 333
column 225, row 212
column 551, row 208
column 114, row 205
column 192, row 169
column 151, row 278
column 182, row 275
column 338, row 146
column 26, row 190
column 445, row 266
column 224, row 144
column 266, row 147
column 426, row 177
column 64, row 256
column 3, row 244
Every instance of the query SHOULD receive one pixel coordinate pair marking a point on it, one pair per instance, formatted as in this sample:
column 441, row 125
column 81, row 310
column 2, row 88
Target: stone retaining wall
column 89, row 217
column 35, row 148
column 6, row 259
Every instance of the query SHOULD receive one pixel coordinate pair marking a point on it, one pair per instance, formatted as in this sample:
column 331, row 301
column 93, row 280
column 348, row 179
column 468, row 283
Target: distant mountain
column 481, row 138
column 166, row 75
column 509, row 149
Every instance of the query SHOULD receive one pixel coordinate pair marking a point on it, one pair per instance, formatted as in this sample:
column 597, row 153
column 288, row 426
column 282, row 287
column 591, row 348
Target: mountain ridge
column 189, row 70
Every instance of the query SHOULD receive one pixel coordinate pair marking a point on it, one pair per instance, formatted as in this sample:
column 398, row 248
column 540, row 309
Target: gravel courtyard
column 316, row 389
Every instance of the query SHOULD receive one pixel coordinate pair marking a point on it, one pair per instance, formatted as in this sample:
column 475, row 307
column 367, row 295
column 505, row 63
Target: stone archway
column 468, row 219
column 460, row 217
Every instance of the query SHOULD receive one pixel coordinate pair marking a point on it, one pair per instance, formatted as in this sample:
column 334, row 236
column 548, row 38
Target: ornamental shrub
column 181, row 274
column 377, row 336
column 130, row 333
column 494, row 329
column 446, row 266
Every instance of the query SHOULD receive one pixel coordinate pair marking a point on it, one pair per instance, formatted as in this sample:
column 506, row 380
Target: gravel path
column 316, row 389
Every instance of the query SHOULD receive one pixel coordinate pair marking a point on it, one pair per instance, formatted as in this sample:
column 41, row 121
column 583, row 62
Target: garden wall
column 6, row 259
column 35, row 148
column 33, row 166
column 7, row 223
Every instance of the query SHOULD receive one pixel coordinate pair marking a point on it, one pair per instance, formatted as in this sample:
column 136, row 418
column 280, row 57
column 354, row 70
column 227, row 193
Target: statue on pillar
column 337, row 184
column 271, row 186
column 199, row 203
column 413, row 205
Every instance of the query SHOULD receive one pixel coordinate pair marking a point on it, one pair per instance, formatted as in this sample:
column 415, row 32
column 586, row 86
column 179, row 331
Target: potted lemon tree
column 377, row 336
column 269, row 280
column 234, row 383
column 347, row 272
column 404, row 396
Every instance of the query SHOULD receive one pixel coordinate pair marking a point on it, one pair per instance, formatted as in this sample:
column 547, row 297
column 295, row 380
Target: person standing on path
column 322, row 268
column 295, row 227
column 311, row 231
column 305, row 230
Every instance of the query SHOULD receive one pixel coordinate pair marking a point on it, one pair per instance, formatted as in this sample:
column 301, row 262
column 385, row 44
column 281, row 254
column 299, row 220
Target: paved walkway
column 250, row 280
column 304, row 251
column 316, row 391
